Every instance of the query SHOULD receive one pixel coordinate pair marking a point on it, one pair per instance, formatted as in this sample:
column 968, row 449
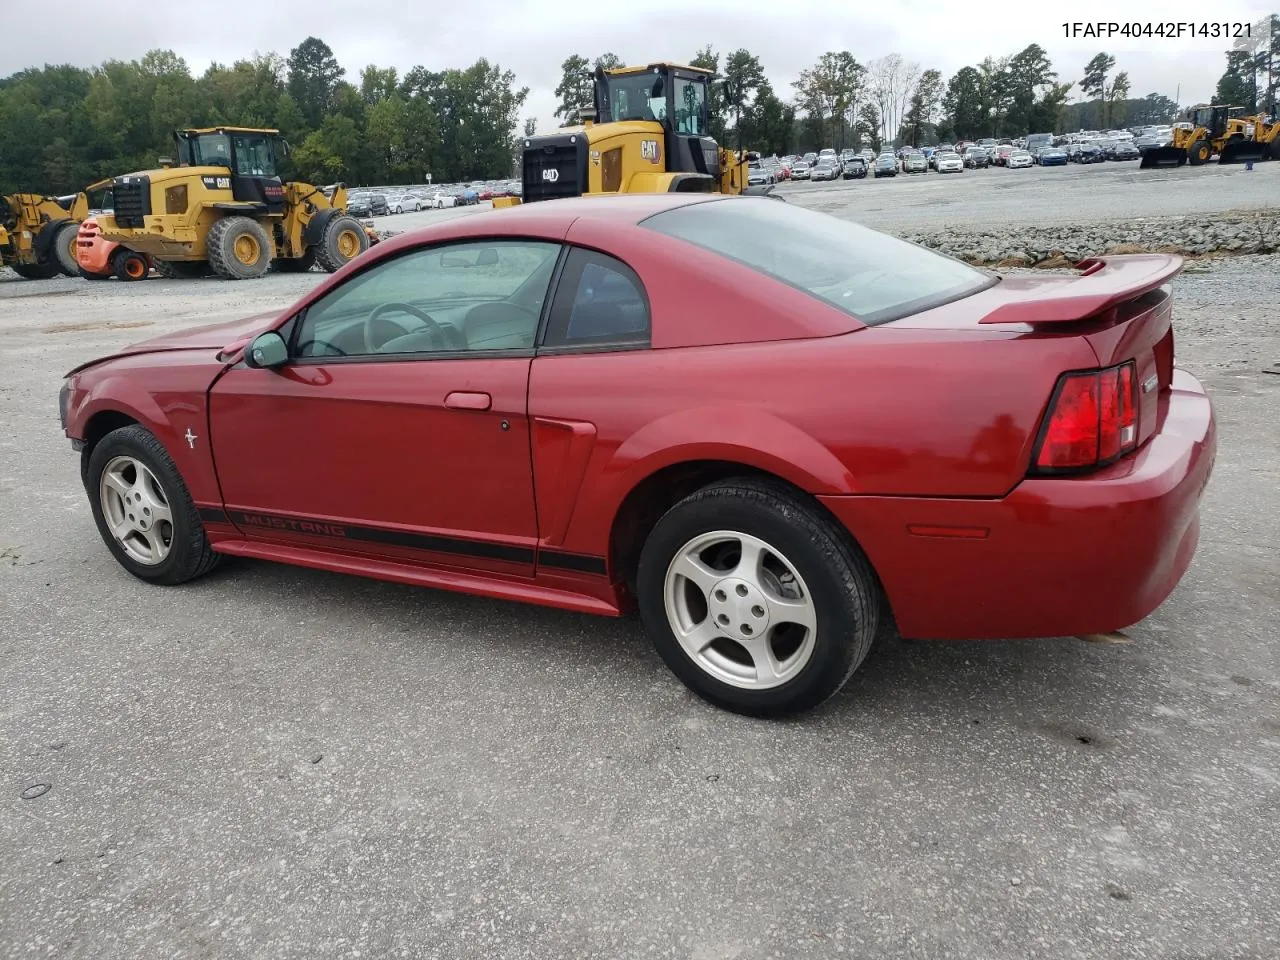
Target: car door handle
column 466, row 400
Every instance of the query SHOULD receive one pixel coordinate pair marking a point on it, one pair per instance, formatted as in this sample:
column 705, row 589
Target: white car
column 949, row 163
column 405, row 203
column 442, row 201
column 1019, row 158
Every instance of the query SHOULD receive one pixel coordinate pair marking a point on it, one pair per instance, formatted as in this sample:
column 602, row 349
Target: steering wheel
column 325, row 348
column 395, row 307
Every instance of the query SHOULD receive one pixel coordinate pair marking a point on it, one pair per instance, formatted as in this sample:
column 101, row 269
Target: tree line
column 63, row 127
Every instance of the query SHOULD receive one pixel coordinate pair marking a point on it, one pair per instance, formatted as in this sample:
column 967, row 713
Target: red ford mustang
column 772, row 431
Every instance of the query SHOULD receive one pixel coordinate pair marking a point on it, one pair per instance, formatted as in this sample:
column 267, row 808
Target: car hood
column 227, row 337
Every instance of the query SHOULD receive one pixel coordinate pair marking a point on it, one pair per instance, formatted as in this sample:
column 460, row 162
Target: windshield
column 870, row 276
column 638, row 96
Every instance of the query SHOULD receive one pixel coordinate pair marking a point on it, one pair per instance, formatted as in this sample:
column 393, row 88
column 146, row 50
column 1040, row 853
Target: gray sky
column 532, row 38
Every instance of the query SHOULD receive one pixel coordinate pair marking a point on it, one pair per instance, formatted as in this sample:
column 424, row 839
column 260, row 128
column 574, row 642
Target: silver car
column 949, row 163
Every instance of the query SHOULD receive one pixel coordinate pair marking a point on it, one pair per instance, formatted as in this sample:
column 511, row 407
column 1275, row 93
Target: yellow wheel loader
column 223, row 210
column 1266, row 134
column 647, row 132
column 38, row 234
column 1208, row 132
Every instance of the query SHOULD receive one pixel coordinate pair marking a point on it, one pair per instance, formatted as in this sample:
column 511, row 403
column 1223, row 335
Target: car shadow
column 947, row 682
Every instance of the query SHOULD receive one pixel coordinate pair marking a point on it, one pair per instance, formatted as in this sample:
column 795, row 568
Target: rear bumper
column 1057, row 556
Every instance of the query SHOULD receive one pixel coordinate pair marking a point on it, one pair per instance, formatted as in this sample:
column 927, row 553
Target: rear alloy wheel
column 344, row 239
column 755, row 599
column 129, row 265
column 239, row 249
column 64, row 249
column 143, row 510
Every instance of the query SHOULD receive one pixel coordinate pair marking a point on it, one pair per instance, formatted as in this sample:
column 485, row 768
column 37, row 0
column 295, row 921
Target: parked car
column 441, row 200
column 826, row 169
column 800, row 170
column 1019, row 159
column 949, row 163
column 915, row 162
column 758, row 176
column 1052, row 157
column 854, row 168
column 976, row 158
column 404, row 203
column 1125, row 150
column 1001, row 156
column 359, row 205
column 886, row 166
column 1064, row 503
column 1089, row 153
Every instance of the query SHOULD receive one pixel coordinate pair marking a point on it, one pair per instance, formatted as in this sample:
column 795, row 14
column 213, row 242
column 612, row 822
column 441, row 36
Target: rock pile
column 1060, row 245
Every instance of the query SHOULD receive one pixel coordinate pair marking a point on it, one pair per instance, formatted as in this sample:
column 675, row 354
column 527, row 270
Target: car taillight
column 1092, row 420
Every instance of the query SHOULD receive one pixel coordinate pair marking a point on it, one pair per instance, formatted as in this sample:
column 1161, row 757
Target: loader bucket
column 1242, row 151
column 1162, row 157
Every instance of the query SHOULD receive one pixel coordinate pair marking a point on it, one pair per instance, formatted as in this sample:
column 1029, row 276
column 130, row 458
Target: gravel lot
column 275, row 762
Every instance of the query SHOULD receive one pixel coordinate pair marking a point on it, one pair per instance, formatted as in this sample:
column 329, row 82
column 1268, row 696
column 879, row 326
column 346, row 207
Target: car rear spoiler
column 1104, row 282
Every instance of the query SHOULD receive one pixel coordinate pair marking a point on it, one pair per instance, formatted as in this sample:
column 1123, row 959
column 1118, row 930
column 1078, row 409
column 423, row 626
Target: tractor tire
column 36, row 271
column 344, row 239
column 182, row 269
column 63, row 252
column 1274, row 150
column 129, row 265
column 1199, row 153
column 239, row 249
column 300, row 264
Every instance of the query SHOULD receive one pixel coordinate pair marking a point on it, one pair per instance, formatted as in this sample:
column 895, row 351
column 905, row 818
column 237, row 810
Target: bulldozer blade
column 1162, row 157
column 1242, row 151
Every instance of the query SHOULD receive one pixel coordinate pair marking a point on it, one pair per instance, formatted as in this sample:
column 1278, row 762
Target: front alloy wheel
column 136, row 510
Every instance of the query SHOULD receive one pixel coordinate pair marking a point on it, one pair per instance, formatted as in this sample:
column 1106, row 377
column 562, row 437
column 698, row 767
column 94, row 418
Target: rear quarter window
column 871, row 276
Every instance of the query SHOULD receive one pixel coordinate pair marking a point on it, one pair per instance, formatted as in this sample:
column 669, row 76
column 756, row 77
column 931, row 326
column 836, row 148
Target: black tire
column 86, row 275
column 182, row 269
column 36, row 271
column 63, row 251
column 844, row 590
column 129, row 265
column 297, row 264
column 338, row 246
column 189, row 555
column 1196, row 156
column 233, row 238
column 1274, row 148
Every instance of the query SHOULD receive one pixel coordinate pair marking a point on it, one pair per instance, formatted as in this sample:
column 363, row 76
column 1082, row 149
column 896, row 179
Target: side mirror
column 267, row 351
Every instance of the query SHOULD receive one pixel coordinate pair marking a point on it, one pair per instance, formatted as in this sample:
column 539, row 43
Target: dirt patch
column 101, row 325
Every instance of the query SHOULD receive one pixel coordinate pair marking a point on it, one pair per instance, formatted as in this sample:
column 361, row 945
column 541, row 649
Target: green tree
column 963, row 105
column 314, row 75
column 1028, row 73
column 1235, row 86
column 1094, row 82
column 868, row 128
column 1116, row 95
column 574, row 89
column 828, row 91
column 922, row 113
column 743, row 76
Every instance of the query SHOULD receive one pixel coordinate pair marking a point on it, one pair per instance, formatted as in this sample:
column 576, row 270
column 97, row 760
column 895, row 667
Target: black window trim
column 296, row 321
column 622, row 343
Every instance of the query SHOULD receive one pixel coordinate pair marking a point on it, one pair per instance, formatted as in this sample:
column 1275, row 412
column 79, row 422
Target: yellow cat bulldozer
column 646, row 132
column 223, row 210
column 1208, row 132
column 38, row 234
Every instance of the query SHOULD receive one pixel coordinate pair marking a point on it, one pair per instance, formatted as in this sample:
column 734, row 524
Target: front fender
column 168, row 407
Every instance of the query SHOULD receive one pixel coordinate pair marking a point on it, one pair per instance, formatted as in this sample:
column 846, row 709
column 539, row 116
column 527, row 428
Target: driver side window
column 473, row 296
